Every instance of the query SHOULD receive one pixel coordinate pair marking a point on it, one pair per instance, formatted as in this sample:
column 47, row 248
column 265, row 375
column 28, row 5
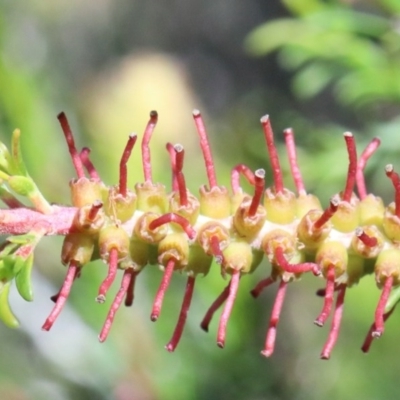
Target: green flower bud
column 77, row 247
column 151, row 197
column 113, row 237
column 120, row 207
column 86, row 191
column 215, row 203
column 281, row 207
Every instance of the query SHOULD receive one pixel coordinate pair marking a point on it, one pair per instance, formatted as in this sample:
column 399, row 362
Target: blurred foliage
column 329, row 43
column 107, row 64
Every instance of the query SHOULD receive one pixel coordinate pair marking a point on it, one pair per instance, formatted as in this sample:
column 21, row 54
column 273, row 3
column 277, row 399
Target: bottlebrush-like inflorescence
column 129, row 229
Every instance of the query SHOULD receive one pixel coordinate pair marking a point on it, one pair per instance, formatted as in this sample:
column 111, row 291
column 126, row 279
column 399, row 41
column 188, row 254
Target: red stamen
column 362, row 162
column 172, row 157
column 123, row 172
column 214, row 307
column 112, row 272
column 94, row 210
column 171, row 346
column 369, row 338
column 292, row 156
column 235, row 176
column 166, row 279
column 259, row 176
column 261, row 286
column 76, row 160
column 126, row 280
column 294, row 268
column 223, row 321
column 380, row 309
column 179, row 155
column 273, row 154
column 216, row 250
column 62, row 296
column 146, row 158
column 352, row 172
column 273, row 322
column 394, row 176
column 205, row 147
column 369, row 241
column 131, row 288
column 335, row 327
column 327, row 214
column 328, row 296
column 177, row 219
column 55, row 297
column 84, row 155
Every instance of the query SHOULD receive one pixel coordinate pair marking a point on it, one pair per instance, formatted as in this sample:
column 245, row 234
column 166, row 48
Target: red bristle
column 274, row 320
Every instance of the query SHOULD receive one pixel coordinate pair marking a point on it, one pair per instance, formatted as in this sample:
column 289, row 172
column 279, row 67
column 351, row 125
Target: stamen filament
column 235, row 176
column 274, row 320
column 294, row 268
column 273, row 154
column 123, row 172
column 223, row 321
column 76, row 160
column 327, row 214
column 171, row 346
column 214, row 307
column 335, row 327
column 166, row 279
column 394, row 176
column 177, row 219
column 259, row 183
column 366, row 239
column 205, row 147
column 362, row 162
column 261, row 286
column 146, row 157
column 292, row 156
column 112, row 272
column 328, row 297
column 62, row 295
column 90, row 168
column 126, row 280
column 380, row 309
column 352, row 172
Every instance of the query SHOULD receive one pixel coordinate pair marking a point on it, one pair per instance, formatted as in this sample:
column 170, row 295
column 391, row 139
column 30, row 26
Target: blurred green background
column 322, row 67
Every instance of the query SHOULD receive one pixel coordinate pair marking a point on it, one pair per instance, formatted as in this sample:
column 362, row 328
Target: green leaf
column 311, row 80
column 18, row 163
column 5, row 159
column 22, row 185
column 7, row 272
column 6, row 315
column 23, row 278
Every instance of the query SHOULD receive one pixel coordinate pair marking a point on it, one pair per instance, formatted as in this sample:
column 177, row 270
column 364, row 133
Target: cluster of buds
column 130, row 229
